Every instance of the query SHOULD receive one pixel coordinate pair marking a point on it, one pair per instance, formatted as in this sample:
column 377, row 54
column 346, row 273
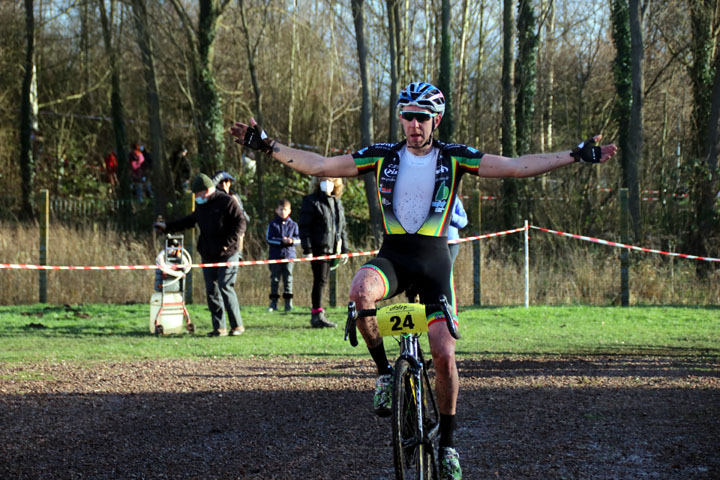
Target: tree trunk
column 525, row 88
column 549, row 98
column 447, row 126
column 27, row 164
column 291, row 82
column 251, row 49
column 705, row 80
column 509, row 195
column 207, row 108
column 392, row 12
column 477, row 105
column 160, row 174
column 366, row 127
column 118, row 117
column 209, row 126
column 461, row 89
column 525, row 76
column 635, row 130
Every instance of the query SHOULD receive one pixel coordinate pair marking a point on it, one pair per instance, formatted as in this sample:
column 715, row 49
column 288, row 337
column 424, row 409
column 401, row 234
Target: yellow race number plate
column 402, row 318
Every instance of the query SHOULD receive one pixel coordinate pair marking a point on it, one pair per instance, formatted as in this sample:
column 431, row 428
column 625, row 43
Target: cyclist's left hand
column 588, row 152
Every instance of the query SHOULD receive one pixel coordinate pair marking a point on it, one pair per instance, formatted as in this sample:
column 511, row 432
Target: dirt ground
column 605, row 417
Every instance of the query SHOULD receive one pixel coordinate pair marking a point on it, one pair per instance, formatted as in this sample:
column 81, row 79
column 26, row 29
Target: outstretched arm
column 532, row 165
column 310, row 163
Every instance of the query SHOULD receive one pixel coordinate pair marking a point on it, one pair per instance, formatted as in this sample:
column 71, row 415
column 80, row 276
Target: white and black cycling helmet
column 422, row 94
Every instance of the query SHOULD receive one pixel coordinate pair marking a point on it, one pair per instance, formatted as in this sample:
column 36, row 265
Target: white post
column 527, row 266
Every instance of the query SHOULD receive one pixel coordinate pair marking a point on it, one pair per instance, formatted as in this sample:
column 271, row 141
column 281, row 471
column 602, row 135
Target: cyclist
column 418, row 179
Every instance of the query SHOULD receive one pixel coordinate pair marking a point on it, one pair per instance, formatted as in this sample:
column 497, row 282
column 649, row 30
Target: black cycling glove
column 257, row 139
column 587, row 152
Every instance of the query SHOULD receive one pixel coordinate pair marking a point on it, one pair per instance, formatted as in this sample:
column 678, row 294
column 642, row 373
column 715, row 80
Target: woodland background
column 81, row 78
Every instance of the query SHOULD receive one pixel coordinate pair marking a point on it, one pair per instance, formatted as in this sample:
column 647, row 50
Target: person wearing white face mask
column 221, row 224
column 322, row 232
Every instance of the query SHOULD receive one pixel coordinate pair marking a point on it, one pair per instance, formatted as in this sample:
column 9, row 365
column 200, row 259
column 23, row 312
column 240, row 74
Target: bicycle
column 415, row 415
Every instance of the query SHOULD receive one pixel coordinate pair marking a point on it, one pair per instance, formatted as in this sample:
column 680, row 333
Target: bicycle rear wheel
column 412, row 458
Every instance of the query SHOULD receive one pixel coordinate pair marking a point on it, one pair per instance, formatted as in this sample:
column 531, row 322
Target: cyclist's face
column 418, row 130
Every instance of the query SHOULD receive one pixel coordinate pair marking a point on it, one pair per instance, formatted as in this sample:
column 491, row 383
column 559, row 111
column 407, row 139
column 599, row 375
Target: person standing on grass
column 322, row 232
column 221, row 224
column 223, row 181
column 283, row 236
column 418, row 181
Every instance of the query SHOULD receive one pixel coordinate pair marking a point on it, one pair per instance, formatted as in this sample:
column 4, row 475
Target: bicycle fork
column 410, row 351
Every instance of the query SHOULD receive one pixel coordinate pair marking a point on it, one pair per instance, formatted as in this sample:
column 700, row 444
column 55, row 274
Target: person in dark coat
column 221, row 224
column 322, row 232
column 282, row 236
column 223, row 181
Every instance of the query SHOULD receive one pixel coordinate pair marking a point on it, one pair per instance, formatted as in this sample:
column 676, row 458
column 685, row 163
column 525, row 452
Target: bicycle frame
column 406, row 322
column 411, row 351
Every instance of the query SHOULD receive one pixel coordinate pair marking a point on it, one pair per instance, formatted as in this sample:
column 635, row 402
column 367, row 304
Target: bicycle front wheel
column 413, row 458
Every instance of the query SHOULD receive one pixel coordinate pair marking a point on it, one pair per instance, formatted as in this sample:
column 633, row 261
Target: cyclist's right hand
column 252, row 136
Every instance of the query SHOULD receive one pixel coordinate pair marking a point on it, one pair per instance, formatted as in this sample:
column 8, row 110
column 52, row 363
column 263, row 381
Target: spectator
column 322, row 232
column 221, row 224
column 282, row 236
column 147, row 168
column 223, row 181
column 181, row 170
column 111, row 169
column 457, row 221
column 136, row 171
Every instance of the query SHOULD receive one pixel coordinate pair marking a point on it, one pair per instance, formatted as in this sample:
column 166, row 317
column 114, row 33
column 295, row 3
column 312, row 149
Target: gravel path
column 609, row 417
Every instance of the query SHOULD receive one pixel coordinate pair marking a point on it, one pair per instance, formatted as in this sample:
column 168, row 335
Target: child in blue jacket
column 282, row 236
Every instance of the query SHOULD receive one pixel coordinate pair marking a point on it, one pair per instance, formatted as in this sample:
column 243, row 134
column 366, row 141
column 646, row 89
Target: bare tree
column 705, row 19
column 525, row 76
column 627, row 34
column 251, row 49
column 27, row 164
column 160, row 172
column 509, row 197
column 366, row 127
column 208, row 116
column 117, row 110
column 393, row 14
column 447, row 126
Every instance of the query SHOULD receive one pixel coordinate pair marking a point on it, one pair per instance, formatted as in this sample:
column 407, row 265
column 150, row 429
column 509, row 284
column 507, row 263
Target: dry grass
column 573, row 274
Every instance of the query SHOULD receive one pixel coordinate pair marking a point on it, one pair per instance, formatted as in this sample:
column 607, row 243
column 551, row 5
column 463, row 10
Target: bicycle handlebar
column 354, row 314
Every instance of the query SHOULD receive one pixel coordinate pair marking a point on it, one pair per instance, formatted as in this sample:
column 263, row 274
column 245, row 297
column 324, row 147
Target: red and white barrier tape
column 623, row 245
column 24, row 266
column 487, row 235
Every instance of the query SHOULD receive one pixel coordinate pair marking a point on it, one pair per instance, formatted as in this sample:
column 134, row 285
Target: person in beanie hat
column 223, row 181
column 221, row 224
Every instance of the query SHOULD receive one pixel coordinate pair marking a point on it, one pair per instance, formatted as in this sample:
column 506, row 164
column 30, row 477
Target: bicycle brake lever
column 350, row 325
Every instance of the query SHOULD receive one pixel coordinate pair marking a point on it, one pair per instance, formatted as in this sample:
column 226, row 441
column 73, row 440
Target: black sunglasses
column 419, row 116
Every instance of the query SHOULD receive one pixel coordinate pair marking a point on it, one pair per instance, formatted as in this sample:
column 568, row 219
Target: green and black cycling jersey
column 452, row 162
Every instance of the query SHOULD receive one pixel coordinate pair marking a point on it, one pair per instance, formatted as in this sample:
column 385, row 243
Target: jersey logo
column 441, row 197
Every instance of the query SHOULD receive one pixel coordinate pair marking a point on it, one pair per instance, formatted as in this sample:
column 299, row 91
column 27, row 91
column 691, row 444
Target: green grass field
column 87, row 333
